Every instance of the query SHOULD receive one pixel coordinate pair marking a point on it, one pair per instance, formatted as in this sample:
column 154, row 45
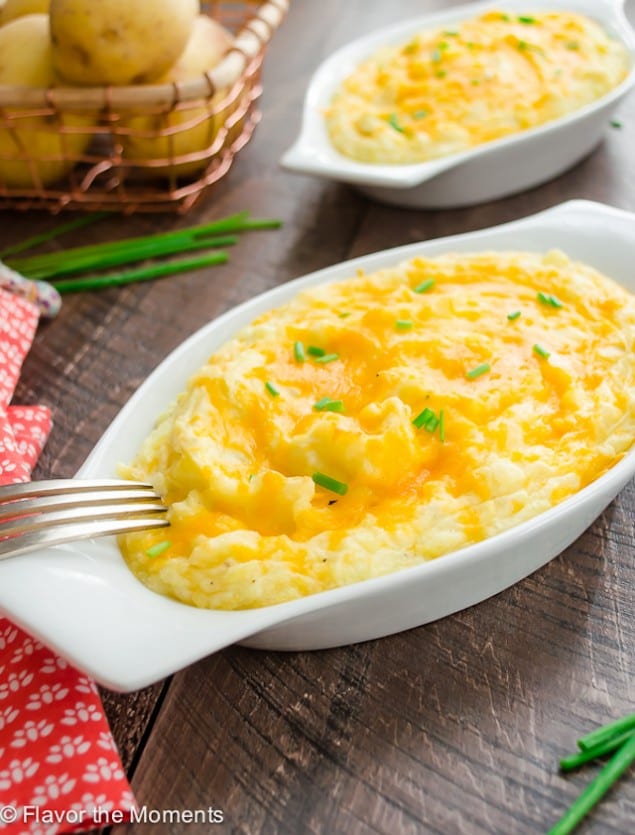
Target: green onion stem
column 43, row 237
column 72, row 285
column 594, row 792
column 599, row 735
column 129, row 255
column 595, row 751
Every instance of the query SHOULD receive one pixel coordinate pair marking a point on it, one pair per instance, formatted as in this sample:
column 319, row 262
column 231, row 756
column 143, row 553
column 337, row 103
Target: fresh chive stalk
column 612, row 771
column 593, row 752
column 606, row 732
column 72, row 285
column 325, row 358
column 233, row 224
column 331, row 484
column 132, row 254
column 298, row 352
column 273, row 391
column 514, row 315
column 403, row 324
column 43, row 237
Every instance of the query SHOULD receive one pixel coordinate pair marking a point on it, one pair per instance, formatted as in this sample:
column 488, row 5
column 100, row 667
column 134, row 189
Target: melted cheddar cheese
column 448, row 398
column 449, row 89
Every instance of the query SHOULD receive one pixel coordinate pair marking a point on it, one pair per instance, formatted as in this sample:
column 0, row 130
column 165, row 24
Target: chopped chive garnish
column 394, row 123
column 329, row 483
column 420, row 114
column 514, row 315
column 442, row 426
column 451, row 33
column 547, row 299
column 326, row 404
column 616, row 124
column 594, row 792
column 505, row 17
column 573, row 45
column 158, row 549
column 627, row 723
column 403, row 324
column 314, row 351
column 422, row 417
column 523, row 45
column 298, row 352
column 426, row 420
column 526, row 19
column 481, row 369
column 273, row 391
column 607, row 747
column 327, row 358
column 344, row 315
column 542, row 352
column 424, row 286
column 441, row 74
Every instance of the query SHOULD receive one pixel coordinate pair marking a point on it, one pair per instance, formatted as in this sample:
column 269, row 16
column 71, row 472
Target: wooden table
column 455, row 727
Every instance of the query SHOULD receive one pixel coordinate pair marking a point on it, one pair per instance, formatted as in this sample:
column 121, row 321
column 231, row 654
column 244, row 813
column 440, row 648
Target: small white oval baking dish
column 82, row 600
column 485, row 172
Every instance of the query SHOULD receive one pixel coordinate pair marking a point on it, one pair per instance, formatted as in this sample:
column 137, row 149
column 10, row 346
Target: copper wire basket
column 129, row 149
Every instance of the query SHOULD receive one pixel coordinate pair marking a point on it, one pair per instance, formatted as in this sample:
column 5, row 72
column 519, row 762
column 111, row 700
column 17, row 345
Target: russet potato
column 207, row 45
column 119, row 41
column 26, row 60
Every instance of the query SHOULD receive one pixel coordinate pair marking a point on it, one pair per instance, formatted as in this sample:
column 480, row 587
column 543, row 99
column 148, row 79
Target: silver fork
column 37, row 514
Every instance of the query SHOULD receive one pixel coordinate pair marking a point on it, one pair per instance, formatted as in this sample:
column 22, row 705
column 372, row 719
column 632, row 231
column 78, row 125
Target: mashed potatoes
column 378, row 422
column 449, row 89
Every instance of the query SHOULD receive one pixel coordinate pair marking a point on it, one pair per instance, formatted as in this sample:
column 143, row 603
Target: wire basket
column 144, row 148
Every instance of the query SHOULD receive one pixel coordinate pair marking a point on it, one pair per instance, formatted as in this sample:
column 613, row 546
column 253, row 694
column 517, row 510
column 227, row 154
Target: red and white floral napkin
column 59, row 767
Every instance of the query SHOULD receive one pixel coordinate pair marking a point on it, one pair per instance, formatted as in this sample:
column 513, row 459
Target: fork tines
column 39, row 514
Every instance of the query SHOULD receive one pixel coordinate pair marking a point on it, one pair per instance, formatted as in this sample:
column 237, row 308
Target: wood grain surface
column 455, row 727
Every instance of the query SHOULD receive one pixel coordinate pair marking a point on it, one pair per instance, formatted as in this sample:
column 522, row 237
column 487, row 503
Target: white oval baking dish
column 82, row 600
column 486, row 172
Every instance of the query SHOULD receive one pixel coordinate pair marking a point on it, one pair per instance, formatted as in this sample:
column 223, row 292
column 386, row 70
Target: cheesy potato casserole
column 378, row 422
column 449, row 89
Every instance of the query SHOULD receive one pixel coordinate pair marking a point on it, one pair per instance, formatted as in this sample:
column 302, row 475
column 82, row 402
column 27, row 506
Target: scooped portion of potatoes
column 33, row 151
column 118, row 41
column 206, row 47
